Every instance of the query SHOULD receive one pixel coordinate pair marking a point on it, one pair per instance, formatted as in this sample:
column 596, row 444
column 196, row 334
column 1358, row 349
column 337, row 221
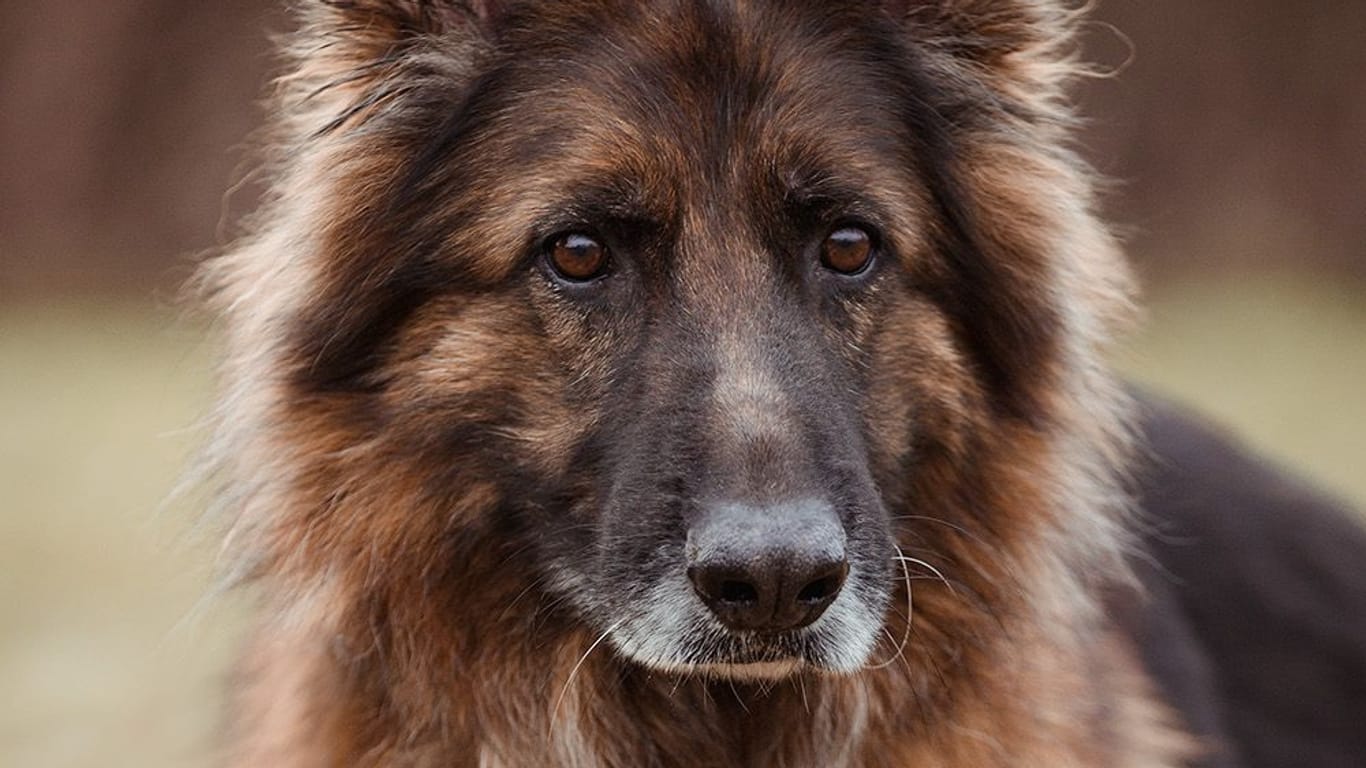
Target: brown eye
column 577, row 256
column 847, row 250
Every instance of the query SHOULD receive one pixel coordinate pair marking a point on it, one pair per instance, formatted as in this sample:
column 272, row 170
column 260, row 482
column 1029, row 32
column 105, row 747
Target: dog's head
column 734, row 317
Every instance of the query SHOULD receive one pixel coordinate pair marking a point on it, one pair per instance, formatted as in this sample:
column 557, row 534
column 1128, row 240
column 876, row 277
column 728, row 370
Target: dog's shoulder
column 1255, row 618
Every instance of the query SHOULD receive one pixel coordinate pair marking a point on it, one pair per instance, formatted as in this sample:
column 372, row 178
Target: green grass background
column 109, row 653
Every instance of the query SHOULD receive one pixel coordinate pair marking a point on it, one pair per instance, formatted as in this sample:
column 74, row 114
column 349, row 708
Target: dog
column 723, row 383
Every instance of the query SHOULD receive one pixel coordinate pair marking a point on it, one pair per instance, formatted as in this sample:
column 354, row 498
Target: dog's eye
column 847, row 250
column 576, row 256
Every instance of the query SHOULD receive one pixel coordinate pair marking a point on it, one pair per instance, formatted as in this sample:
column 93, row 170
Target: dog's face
column 698, row 293
column 705, row 229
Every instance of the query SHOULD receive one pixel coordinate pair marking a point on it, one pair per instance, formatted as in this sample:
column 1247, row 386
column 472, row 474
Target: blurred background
column 1236, row 132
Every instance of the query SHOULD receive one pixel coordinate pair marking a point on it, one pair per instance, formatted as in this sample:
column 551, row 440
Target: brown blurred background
column 1237, row 134
column 1239, row 127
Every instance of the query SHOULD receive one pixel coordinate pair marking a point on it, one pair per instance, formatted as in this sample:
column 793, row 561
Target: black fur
column 1256, row 622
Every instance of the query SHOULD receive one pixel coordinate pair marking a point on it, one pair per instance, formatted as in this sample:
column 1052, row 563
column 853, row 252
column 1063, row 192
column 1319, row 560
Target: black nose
column 767, row 568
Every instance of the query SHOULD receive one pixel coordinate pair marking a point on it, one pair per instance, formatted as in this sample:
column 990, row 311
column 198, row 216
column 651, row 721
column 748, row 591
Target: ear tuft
column 346, row 56
column 400, row 19
column 1015, row 43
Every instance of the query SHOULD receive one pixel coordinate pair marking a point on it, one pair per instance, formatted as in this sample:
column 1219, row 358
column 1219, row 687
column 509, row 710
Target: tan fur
column 400, row 628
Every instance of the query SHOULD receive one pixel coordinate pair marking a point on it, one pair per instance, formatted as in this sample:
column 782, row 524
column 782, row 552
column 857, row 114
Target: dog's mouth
column 673, row 632
column 729, row 656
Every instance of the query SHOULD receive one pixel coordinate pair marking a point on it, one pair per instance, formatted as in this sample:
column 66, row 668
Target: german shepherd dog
column 722, row 383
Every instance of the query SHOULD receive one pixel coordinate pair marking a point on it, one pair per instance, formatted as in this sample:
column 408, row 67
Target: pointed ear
column 1015, row 43
column 370, row 29
column 346, row 56
column 412, row 16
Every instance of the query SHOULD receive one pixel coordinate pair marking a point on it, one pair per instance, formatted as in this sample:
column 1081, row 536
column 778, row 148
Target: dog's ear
column 405, row 18
column 1012, row 62
column 369, row 87
column 369, row 30
column 1015, row 44
column 346, row 55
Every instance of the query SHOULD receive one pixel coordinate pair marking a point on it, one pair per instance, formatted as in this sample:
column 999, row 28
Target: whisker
column 678, row 681
column 536, row 582
column 951, row 526
column 910, row 612
column 554, row 713
column 736, row 692
column 906, row 559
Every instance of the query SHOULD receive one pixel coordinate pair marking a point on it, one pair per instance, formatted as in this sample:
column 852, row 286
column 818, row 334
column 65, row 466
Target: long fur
column 403, row 624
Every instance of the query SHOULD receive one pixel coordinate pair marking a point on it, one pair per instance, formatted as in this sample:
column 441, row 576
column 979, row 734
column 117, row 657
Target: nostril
column 738, row 592
column 824, row 587
column 819, row 590
column 720, row 586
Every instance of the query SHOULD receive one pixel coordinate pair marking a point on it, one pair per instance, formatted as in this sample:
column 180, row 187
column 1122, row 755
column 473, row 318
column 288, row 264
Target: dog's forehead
column 712, row 77
column 666, row 106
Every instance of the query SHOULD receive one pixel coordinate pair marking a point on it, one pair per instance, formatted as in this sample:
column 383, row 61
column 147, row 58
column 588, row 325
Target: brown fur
column 385, row 368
